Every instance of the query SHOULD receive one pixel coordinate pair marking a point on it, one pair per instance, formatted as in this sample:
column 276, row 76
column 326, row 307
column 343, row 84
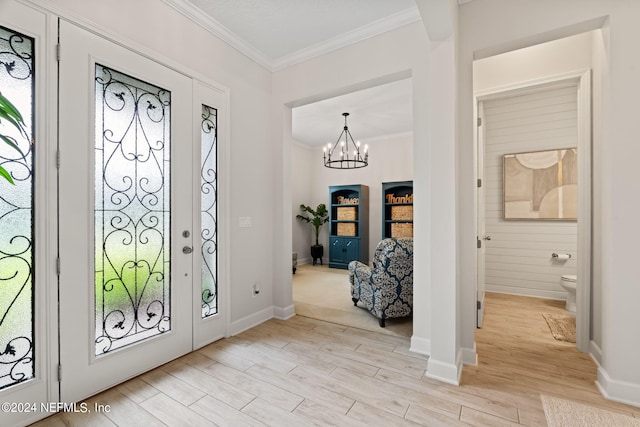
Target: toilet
column 569, row 283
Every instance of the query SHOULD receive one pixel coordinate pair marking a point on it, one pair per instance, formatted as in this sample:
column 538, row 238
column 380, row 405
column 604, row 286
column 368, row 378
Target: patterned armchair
column 386, row 290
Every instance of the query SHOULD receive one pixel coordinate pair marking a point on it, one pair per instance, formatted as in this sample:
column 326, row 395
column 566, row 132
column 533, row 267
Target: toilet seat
column 569, row 277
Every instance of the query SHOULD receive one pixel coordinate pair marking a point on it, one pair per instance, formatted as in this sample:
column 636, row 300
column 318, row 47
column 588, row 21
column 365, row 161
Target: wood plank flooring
column 306, row 372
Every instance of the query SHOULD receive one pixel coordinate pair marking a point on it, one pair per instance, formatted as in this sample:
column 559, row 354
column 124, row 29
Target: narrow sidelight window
column 208, row 210
column 16, row 208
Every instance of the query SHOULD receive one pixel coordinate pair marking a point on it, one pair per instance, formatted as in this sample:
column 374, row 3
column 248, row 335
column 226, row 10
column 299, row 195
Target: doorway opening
column 525, row 101
column 382, row 117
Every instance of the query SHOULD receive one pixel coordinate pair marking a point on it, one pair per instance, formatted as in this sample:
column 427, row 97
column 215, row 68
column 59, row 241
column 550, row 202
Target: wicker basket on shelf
column 347, row 214
column 401, row 229
column 401, row 213
column 346, row 229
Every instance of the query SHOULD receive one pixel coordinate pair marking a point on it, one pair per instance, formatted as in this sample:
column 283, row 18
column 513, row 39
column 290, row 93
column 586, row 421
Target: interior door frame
column 584, row 258
column 481, row 215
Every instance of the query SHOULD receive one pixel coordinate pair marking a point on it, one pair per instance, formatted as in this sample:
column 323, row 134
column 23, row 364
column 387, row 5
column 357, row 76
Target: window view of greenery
column 16, row 208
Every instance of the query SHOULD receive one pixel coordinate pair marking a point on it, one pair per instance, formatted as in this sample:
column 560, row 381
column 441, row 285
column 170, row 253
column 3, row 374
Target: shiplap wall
column 518, row 256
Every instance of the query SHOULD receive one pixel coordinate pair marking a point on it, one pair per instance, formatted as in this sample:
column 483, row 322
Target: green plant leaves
column 6, row 175
column 10, row 114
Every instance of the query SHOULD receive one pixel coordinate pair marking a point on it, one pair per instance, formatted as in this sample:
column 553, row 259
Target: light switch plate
column 244, row 221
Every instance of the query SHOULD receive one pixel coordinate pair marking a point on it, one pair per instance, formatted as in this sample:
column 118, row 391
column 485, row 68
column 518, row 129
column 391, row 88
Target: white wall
column 484, row 31
column 390, row 159
column 599, row 81
column 518, row 256
column 302, row 233
column 171, row 37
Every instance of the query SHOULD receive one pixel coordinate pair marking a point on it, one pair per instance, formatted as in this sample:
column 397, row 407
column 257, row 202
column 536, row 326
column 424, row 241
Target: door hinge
column 59, row 373
column 58, row 52
column 58, row 159
column 58, row 266
column 479, row 182
column 479, row 120
column 479, row 244
column 479, row 305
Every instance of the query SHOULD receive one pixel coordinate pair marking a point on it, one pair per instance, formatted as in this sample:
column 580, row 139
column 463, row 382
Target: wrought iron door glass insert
column 209, row 210
column 16, row 214
column 132, row 210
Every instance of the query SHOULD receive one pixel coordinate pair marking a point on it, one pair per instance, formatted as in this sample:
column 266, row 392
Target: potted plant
column 9, row 113
column 316, row 217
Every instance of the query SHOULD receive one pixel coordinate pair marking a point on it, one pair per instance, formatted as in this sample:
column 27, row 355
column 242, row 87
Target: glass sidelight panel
column 16, row 208
column 132, row 210
column 208, row 210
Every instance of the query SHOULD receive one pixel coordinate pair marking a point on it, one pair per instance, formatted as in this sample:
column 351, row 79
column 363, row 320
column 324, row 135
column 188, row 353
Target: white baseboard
column 469, row 356
column 250, row 321
column 446, row 372
column 284, row 313
column 618, row 391
column 420, row 345
column 525, row 292
column 305, row 261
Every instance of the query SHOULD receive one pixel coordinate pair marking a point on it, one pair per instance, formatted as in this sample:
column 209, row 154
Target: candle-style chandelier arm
column 341, row 151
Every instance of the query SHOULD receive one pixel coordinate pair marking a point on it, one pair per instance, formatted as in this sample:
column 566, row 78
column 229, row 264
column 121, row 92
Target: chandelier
column 342, row 155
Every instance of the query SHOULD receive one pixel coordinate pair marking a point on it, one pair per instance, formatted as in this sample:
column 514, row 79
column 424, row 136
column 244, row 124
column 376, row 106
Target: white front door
column 126, row 219
column 28, row 350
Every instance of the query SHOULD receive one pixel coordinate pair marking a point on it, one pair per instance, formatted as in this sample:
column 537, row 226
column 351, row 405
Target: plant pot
column 317, row 251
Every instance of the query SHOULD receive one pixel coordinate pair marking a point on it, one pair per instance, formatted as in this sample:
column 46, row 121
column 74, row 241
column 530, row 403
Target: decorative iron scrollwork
column 16, row 214
column 209, row 199
column 132, row 210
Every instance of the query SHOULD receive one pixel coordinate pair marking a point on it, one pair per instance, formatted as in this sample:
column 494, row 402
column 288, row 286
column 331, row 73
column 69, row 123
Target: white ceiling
column 280, row 33
column 374, row 113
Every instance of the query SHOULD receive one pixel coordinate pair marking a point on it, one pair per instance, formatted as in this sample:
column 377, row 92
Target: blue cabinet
column 348, row 225
column 397, row 209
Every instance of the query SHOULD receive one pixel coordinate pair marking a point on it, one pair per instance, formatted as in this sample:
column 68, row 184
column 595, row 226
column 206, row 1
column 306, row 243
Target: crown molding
column 217, row 29
column 367, row 31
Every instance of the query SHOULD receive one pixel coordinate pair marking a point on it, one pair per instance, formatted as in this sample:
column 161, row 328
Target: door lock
column 187, row 250
column 186, row 233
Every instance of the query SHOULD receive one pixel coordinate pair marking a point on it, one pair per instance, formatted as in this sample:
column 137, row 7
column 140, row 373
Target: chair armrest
column 361, row 270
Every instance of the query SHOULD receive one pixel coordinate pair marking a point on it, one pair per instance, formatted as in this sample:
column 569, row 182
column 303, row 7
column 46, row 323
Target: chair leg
column 381, row 322
column 355, row 301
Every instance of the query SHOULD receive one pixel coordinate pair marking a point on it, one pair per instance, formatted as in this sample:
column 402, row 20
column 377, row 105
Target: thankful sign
column 407, row 198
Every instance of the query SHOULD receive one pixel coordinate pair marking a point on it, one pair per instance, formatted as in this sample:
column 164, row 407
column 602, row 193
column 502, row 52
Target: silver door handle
column 187, row 250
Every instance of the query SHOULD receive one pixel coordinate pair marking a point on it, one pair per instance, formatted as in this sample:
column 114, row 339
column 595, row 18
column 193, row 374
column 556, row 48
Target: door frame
column 45, row 219
column 582, row 78
column 224, row 135
column 47, row 130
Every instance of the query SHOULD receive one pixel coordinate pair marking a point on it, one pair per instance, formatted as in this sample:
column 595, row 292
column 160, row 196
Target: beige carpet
column 323, row 293
column 563, row 328
column 565, row 413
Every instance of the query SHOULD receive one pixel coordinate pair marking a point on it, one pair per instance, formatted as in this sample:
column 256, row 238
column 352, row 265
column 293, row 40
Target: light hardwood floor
column 303, row 372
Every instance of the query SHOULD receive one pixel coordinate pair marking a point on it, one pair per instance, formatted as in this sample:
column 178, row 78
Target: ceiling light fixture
column 345, row 157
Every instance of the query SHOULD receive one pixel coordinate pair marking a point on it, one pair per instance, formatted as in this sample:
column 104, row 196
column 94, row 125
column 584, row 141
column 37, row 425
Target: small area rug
column 324, row 293
column 565, row 413
column 563, row 328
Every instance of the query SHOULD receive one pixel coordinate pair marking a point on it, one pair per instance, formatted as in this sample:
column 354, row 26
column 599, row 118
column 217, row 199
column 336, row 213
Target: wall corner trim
column 284, row 313
column 469, row 356
column 446, row 372
column 420, row 345
column 616, row 390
